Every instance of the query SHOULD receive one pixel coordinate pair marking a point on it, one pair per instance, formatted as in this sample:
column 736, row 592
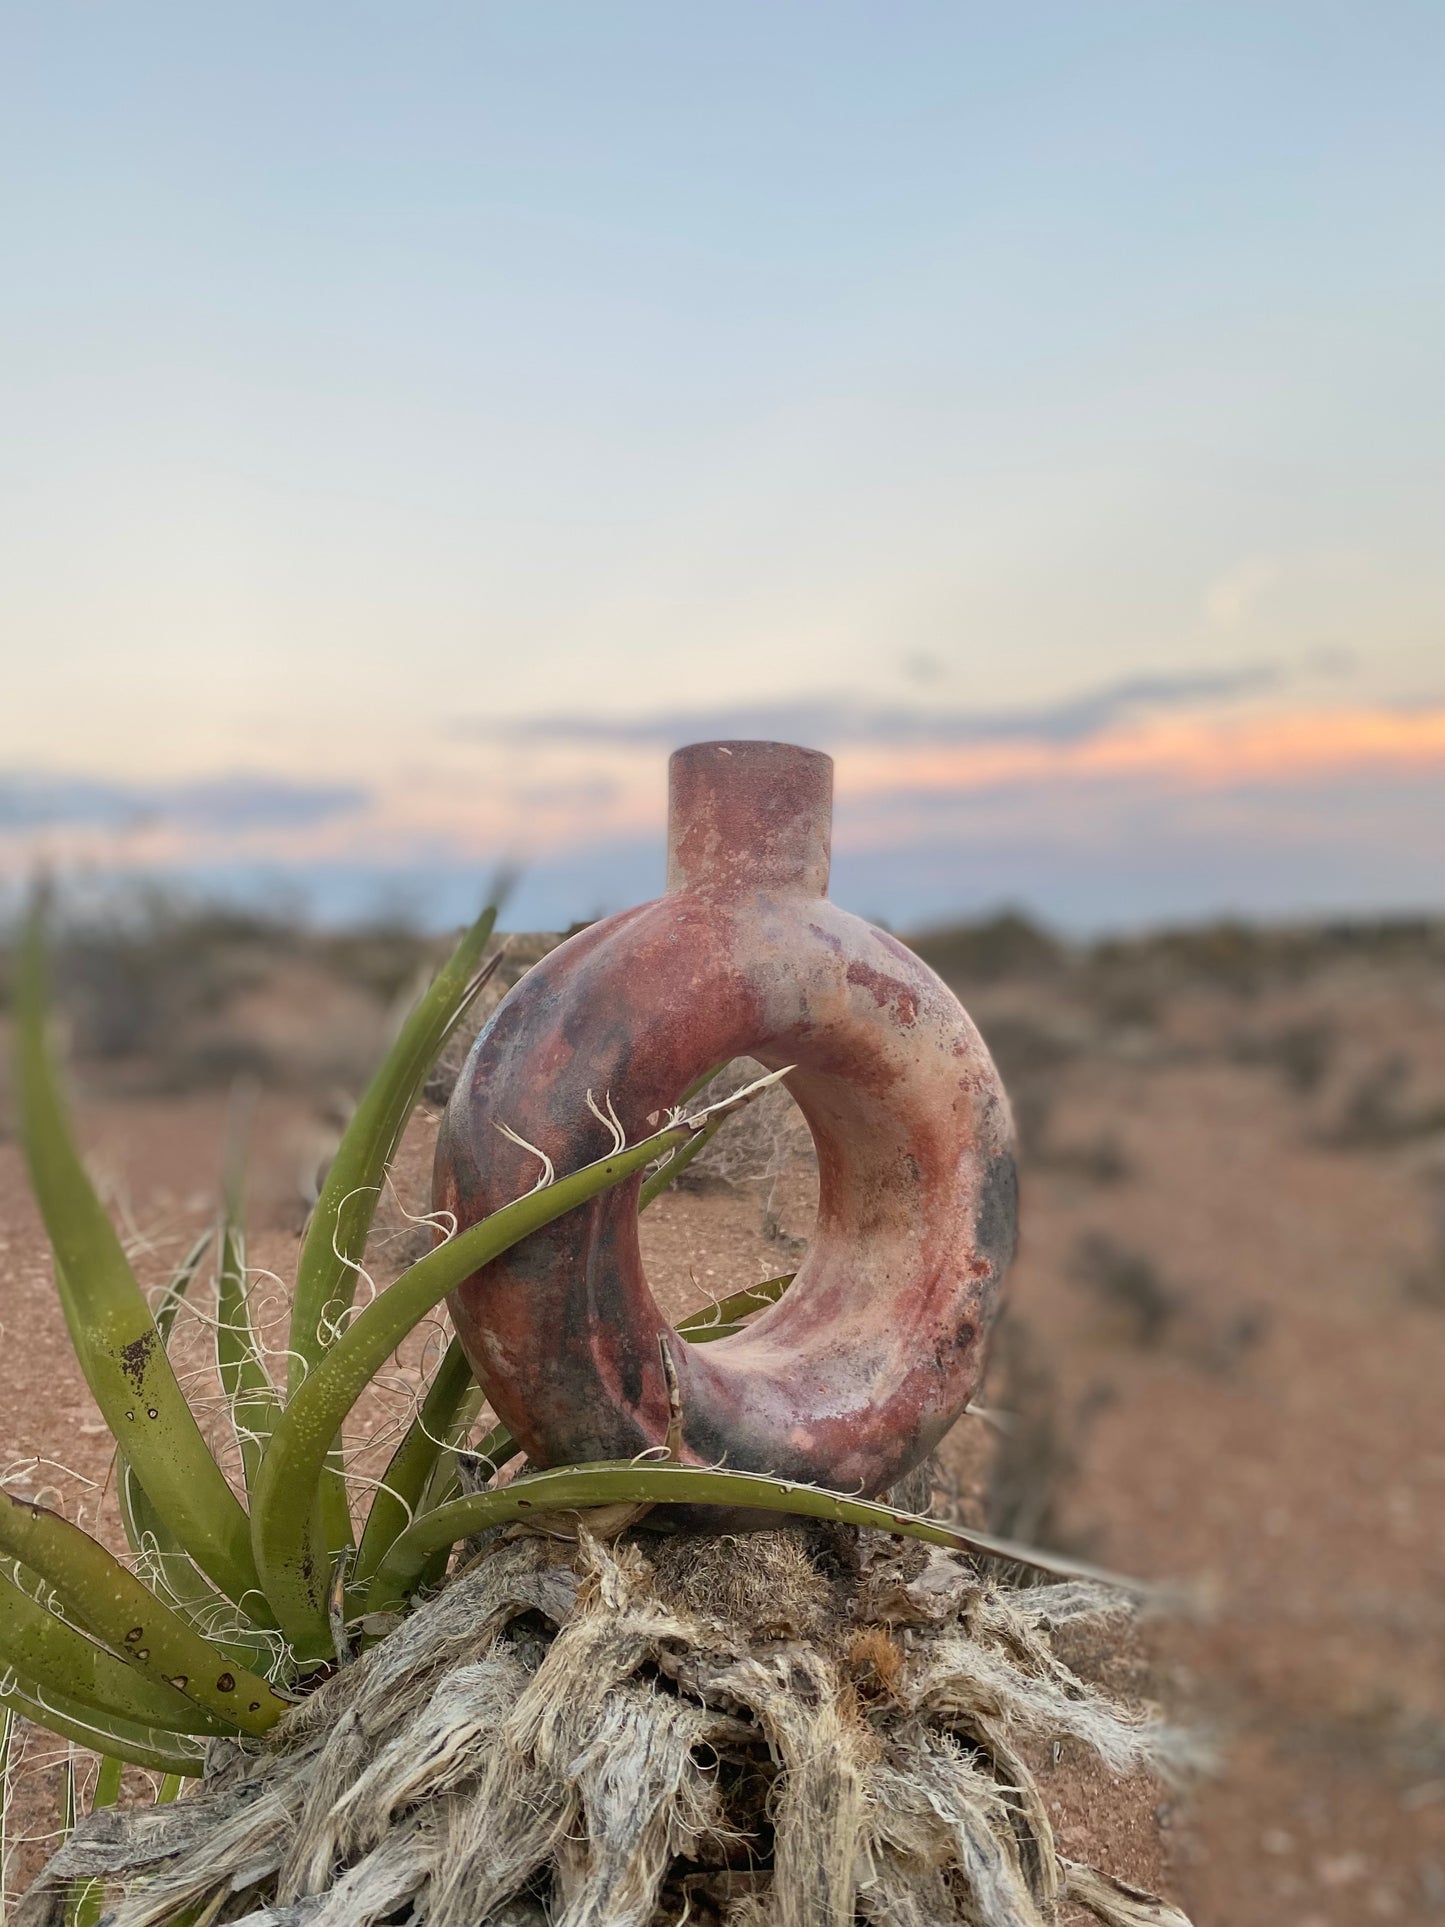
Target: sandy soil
column 1223, row 1366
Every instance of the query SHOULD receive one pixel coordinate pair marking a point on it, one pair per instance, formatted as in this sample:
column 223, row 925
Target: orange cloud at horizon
column 1205, row 752
column 455, row 814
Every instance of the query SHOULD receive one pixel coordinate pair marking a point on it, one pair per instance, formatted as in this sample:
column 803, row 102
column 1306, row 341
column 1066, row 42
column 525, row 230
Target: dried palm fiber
column 802, row 1727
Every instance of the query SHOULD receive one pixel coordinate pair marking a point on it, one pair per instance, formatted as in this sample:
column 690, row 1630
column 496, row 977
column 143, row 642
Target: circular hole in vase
column 745, row 1207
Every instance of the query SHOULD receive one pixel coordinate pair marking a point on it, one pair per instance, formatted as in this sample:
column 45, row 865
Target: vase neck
column 749, row 816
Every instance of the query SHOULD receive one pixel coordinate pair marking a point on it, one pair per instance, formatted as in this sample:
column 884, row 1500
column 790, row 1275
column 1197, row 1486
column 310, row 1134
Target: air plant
column 244, row 1595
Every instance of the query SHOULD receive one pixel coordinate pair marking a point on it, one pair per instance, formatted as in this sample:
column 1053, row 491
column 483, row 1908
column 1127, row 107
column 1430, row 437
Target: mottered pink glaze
column 853, row 1376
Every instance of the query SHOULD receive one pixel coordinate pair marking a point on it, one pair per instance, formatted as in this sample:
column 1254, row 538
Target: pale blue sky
column 367, row 372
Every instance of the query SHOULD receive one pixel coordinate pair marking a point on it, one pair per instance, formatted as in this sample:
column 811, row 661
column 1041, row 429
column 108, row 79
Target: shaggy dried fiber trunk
column 794, row 1728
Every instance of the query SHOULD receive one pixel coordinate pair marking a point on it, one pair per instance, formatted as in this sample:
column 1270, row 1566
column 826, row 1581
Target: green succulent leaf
column 296, row 1458
column 579, row 1489
column 52, row 1653
column 336, row 1237
column 672, row 1169
column 145, row 1746
column 98, row 1593
column 335, row 1242
column 179, row 1283
column 114, row 1334
column 173, row 1576
column 253, row 1400
column 107, row 1784
column 166, row 1566
column 700, row 1326
column 7, row 1730
column 405, row 1479
column 87, row 1897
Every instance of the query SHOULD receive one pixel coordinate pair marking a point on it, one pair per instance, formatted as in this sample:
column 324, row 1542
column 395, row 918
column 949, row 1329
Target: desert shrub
column 1010, row 944
column 1035, row 1458
column 1301, row 1052
column 1129, row 1284
column 1378, row 1113
column 137, row 971
column 513, row 956
column 1029, row 1053
column 1099, row 1160
column 1424, row 1282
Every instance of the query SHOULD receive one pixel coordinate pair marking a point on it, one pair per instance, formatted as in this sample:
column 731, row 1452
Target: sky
column 416, row 420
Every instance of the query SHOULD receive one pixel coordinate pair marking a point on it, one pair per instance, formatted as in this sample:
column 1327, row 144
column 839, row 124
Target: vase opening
column 749, row 816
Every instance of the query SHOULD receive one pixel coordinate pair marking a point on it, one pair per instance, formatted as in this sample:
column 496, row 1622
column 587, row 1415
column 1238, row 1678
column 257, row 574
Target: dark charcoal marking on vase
column 612, row 1300
column 997, row 1220
column 135, row 1356
column 950, row 1347
column 713, row 1442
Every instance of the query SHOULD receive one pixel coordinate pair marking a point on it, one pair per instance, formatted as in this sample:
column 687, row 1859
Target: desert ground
column 1220, row 1368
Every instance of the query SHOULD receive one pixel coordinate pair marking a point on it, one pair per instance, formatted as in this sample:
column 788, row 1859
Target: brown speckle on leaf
column 135, row 1356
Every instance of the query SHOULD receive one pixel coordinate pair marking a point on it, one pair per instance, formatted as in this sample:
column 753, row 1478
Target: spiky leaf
column 83, row 1909
column 98, row 1593
column 145, row 1746
column 51, row 1653
column 578, row 1489
column 114, row 1334
column 336, row 1237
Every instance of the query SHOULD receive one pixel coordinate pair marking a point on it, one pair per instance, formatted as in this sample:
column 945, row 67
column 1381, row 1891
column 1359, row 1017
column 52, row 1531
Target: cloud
column 1158, row 755
column 1084, row 858
column 1152, row 797
column 839, row 722
column 237, row 803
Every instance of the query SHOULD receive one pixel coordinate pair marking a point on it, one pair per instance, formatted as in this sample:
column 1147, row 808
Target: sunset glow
column 411, row 440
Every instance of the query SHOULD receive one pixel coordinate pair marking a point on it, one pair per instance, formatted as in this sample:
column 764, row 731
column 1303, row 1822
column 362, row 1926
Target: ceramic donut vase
column 855, row 1374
